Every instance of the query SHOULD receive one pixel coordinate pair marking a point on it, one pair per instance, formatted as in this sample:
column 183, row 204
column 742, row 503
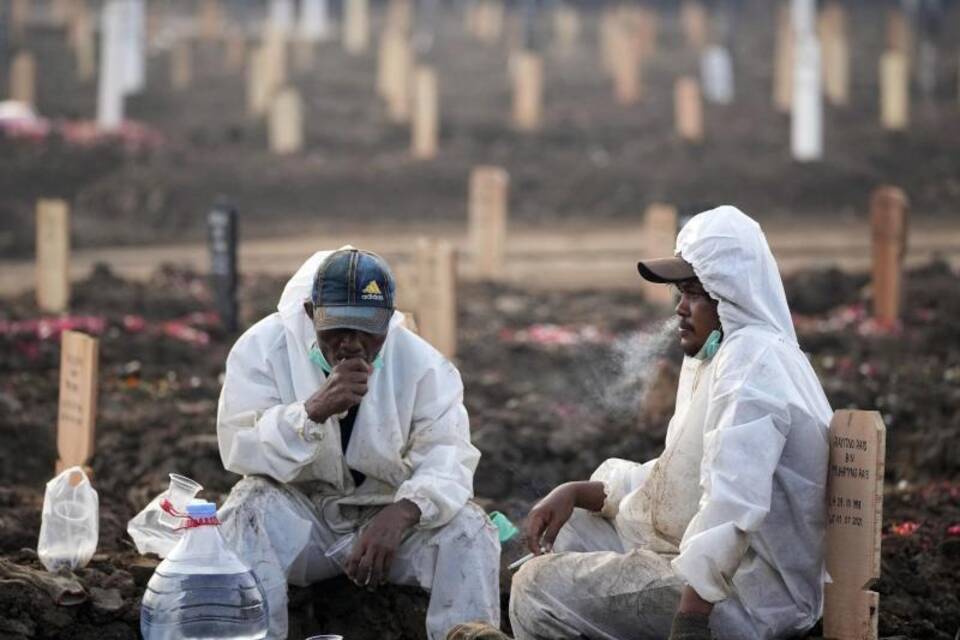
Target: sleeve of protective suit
column 620, row 478
column 258, row 433
column 440, row 456
column 746, row 427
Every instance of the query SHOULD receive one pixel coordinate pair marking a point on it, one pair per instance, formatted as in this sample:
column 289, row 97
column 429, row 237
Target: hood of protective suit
column 731, row 257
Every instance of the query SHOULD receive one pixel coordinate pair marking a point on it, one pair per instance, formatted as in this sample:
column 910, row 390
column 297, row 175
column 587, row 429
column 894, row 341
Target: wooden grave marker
column 783, row 62
column 356, row 26
column 181, row 66
column 487, row 220
column 222, row 237
column 566, row 28
column 53, row 255
column 894, row 91
column 399, row 16
column 425, row 125
column 210, row 20
column 688, row 109
column 854, row 520
column 835, row 51
column 660, row 239
column 286, row 122
column 528, row 91
column 888, row 220
column 83, row 42
column 23, row 78
column 693, row 16
column 437, row 294
column 899, row 35
column 77, row 405
column 626, row 67
column 19, row 15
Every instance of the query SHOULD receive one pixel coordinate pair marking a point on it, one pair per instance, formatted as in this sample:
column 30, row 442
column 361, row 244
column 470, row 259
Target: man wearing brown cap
column 723, row 532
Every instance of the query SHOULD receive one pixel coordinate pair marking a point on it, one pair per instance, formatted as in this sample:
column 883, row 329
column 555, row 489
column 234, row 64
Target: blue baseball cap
column 353, row 289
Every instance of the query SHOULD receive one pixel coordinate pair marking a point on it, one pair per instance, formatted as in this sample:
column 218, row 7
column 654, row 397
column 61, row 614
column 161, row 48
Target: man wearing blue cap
column 351, row 429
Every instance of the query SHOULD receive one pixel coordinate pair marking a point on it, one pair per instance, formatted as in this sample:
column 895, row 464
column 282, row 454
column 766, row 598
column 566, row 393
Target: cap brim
column 666, row 270
column 367, row 319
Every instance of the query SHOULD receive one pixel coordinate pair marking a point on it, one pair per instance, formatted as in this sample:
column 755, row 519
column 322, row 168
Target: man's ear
column 308, row 308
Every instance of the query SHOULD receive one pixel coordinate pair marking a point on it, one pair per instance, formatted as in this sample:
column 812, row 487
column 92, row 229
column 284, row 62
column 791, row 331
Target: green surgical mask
column 711, row 346
column 317, row 358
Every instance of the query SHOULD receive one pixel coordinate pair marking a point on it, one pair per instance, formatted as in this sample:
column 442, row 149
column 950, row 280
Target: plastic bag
column 70, row 526
column 155, row 531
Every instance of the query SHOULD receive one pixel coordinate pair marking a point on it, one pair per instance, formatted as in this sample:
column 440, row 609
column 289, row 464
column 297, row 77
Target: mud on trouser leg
column 262, row 523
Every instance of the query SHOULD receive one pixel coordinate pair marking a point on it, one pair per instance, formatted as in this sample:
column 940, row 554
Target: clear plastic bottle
column 202, row 590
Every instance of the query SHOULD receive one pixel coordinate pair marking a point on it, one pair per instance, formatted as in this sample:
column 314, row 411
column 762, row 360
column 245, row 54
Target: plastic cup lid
column 201, row 509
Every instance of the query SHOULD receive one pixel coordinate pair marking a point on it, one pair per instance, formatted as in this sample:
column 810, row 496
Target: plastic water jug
column 202, row 590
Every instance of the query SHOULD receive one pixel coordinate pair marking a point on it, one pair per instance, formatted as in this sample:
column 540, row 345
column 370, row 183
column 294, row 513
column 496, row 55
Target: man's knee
column 471, row 525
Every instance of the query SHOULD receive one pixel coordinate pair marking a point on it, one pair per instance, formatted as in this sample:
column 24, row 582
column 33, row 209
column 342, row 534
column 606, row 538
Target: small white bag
column 70, row 525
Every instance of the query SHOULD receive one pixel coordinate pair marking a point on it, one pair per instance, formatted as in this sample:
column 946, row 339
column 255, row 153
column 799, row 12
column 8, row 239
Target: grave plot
column 161, row 354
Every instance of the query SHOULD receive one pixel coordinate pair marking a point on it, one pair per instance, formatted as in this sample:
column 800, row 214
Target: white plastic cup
column 182, row 490
column 78, row 537
column 338, row 553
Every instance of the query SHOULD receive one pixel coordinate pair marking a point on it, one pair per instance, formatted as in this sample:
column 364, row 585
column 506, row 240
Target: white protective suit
column 411, row 439
column 734, row 506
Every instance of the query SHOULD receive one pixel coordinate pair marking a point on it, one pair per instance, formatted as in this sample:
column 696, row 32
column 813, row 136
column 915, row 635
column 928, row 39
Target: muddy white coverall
column 735, row 504
column 411, row 439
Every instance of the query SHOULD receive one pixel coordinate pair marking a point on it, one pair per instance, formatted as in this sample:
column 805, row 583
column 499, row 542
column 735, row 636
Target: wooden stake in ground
column 53, row 255
column 626, row 67
column 487, row 214
column 693, row 16
column 437, row 295
column 210, row 20
column 23, row 78
column 660, row 237
column 425, row 126
column 399, row 16
column 356, row 26
column 854, row 519
column 394, row 71
column 688, row 109
column 888, row 219
column 783, row 62
column 899, row 35
column 82, row 40
column 528, row 91
column 566, row 28
column 894, row 91
column 835, row 54
column 286, row 122
column 76, row 415
column 181, row 66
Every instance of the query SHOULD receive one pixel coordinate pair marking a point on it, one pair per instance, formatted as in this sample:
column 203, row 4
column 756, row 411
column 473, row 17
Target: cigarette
column 516, row 565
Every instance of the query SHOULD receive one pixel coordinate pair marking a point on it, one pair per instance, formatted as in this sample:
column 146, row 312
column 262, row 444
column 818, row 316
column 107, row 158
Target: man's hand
column 343, row 389
column 544, row 521
column 369, row 562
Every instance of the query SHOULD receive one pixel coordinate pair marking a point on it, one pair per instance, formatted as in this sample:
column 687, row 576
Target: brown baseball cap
column 666, row 270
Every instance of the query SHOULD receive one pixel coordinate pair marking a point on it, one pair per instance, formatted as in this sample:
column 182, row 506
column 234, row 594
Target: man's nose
column 682, row 309
column 351, row 341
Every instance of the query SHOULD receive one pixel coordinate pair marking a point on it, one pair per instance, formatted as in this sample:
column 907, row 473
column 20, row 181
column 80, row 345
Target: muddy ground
column 563, row 405
column 593, row 159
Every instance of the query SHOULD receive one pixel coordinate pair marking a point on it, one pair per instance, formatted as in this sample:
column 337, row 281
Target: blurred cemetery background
column 166, row 164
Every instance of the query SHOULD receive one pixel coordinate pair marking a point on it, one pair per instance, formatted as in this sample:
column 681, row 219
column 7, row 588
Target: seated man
column 344, row 422
column 724, row 531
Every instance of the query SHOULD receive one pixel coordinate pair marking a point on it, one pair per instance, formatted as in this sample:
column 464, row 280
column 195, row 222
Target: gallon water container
column 202, row 590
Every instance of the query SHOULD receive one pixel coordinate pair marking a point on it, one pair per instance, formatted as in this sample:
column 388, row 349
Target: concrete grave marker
column 23, row 78
column 77, row 405
column 854, row 519
column 716, row 70
column 660, row 238
column 286, row 122
column 110, row 91
column 222, row 235
column 487, row 219
column 835, row 54
column 688, row 109
column 53, row 255
column 181, row 66
column 528, row 91
column 134, row 60
column 437, row 295
column 888, row 220
column 424, row 131
column 356, row 26
column 894, row 91
column 806, row 125
column 693, row 16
